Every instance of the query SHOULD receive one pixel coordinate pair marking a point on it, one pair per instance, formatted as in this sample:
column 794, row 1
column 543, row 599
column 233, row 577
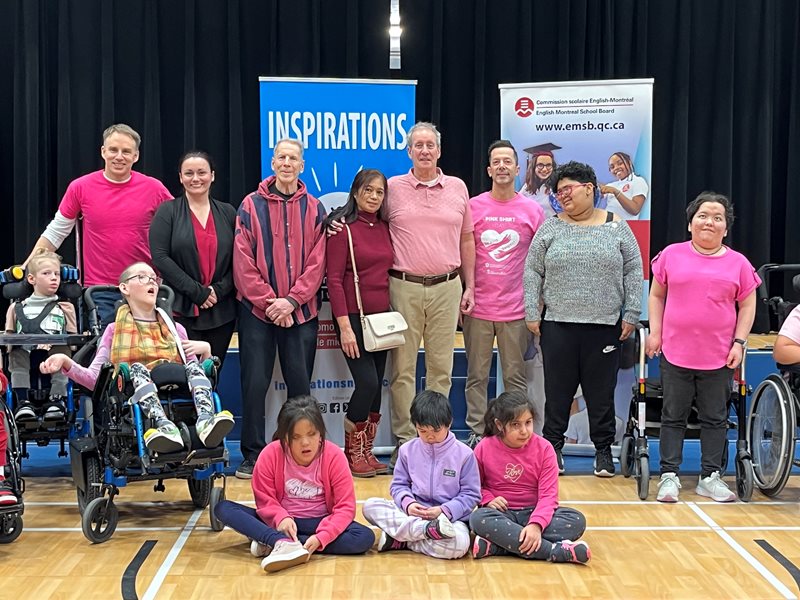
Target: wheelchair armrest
column 102, row 383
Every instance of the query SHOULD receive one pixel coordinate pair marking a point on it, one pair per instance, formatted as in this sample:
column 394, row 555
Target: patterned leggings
column 502, row 528
column 151, row 405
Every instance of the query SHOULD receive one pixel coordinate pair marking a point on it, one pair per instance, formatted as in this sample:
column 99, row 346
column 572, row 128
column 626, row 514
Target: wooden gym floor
column 693, row 549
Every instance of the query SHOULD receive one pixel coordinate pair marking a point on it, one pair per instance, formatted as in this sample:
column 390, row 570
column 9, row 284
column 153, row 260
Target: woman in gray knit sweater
column 584, row 274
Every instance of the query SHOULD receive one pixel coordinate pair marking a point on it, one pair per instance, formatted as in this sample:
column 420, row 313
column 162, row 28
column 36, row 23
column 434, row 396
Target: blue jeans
column 356, row 539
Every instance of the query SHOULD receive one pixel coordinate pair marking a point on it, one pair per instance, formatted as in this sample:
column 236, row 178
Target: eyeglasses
column 566, row 191
column 544, row 166
column 145, row 279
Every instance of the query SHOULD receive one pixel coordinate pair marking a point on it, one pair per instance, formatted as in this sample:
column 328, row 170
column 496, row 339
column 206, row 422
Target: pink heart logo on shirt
column 500, row 244
column 513, row 472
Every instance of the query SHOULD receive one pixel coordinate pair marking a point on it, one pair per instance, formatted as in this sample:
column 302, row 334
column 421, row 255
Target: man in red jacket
column 278, row 266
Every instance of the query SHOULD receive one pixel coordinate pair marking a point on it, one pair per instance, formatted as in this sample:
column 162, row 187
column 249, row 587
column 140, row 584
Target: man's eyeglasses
column 145, row 279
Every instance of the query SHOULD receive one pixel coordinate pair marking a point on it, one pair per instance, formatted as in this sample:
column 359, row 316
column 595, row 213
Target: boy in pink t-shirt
column 702, row 305
column 505, row 222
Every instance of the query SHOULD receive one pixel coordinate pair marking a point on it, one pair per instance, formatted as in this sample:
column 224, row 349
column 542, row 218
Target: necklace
column 367, row 221
column 699, row 251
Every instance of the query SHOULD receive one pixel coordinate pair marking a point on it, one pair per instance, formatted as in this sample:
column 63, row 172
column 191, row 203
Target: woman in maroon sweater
column 373, row 251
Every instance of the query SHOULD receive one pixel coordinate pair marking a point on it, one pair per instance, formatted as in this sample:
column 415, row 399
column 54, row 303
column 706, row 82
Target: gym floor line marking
column 128, row 585
column 782, row 560
column 740, row 550
column 155, row 585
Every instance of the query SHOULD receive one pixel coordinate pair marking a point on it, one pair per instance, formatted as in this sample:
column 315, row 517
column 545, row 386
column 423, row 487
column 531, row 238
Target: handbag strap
column 355, row 271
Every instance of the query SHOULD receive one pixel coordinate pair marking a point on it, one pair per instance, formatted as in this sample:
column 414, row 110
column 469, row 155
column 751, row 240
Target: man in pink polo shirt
column 116, row 205
column 431, row 228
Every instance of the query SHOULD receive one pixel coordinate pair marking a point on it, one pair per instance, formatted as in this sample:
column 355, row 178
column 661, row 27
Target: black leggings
column 367, row 371
column 585, row 354
column 219, row 337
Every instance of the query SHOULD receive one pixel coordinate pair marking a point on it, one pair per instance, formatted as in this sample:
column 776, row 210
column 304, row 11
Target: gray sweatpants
column 502, row 528
column 19, row 365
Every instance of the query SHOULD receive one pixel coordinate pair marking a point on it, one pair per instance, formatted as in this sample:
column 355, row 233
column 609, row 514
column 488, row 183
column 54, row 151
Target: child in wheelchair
column 144, row 336
column 41, row 313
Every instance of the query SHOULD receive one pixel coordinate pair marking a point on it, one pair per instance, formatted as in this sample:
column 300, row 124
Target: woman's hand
column 288, row 527
column 653, row 347
column 627, row 330
column 347, row 339
column 735, row 355
column 312, row 544
column 498, row 503
column 55, row 363
column 530, row 538
column 533, row 327
column 196, row 348
column 211, row 300
column 607, row 189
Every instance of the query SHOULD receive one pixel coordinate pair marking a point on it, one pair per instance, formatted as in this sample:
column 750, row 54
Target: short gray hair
column 293, row 141
column 124, row 130
column 424, row 125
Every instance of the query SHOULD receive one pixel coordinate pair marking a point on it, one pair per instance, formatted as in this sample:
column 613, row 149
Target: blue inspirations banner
column 345, row 125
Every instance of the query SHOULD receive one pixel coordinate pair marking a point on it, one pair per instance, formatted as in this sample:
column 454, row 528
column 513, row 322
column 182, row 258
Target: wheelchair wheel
column 744, row 479
column 643, row 477
column 626, row 455
column 770, row 434
column 94, row 474
column 217, row 496
column 200, row 491
column 99, row 520
column 10, row 528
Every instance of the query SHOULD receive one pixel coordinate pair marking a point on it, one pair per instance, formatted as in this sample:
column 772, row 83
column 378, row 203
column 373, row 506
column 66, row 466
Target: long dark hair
column 505, row 408
column 350, row 209
column 294, row 410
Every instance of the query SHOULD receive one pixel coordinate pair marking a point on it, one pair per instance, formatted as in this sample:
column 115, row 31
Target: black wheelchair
column 39, row 428
column 645, row 420
column 774, row 411
column 11, row 515
column 114, row 453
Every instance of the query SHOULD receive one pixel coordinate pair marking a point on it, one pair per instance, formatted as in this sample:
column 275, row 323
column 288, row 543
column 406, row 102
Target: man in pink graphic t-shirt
column 505, row 222
column 116, row 205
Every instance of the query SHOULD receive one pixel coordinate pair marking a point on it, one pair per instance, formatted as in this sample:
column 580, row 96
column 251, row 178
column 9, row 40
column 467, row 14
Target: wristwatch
column 740, row 341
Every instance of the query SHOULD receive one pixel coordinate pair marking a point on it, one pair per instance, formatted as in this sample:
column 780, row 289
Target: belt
column 426, row 280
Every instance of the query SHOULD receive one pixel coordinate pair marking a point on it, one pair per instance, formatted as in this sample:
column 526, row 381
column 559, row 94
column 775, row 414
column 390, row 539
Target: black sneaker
column 481, row 548
column 245, row 470
column 604, row 463
column 25, row 412
column 387, row 543
column 560, row 461
column 568, row 551
column 55, row 410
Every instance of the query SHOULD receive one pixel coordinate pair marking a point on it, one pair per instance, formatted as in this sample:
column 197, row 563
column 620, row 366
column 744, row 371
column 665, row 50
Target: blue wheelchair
column 41, row 426
column 114, row 453
column 11, row 515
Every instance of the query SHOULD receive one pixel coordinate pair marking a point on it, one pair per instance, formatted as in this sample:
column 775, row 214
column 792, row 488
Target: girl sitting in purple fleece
column 436, row 486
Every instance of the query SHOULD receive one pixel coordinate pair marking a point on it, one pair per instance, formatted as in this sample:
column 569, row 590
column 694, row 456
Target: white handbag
column 382, row 331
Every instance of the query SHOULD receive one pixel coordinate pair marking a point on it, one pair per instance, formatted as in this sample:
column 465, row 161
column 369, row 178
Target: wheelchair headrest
column 69, row 289
column 169, row 374
column 164, row 300
column 796, row 283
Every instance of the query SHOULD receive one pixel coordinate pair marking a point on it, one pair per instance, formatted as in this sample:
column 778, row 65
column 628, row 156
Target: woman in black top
column 191, row 242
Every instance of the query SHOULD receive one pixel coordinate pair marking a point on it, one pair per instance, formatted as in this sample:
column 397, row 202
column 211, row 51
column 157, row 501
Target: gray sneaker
column 245, row 470
column 473, row 440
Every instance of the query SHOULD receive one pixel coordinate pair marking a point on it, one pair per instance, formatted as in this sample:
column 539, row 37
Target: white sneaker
column 668, row 488
column 211, row 429
column 713, row 487
column 285, row 554
column 259, row 550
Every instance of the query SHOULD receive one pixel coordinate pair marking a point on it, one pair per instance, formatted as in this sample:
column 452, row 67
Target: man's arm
column 467, row 248
column 53, row 236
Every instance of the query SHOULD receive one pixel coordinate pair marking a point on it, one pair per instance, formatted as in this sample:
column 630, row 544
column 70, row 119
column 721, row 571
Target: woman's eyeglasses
column 566, row 191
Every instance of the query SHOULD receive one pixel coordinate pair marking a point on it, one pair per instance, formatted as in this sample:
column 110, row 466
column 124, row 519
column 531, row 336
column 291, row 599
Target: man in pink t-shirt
column 431, row 229
column 504, row 222
column 116, row 205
